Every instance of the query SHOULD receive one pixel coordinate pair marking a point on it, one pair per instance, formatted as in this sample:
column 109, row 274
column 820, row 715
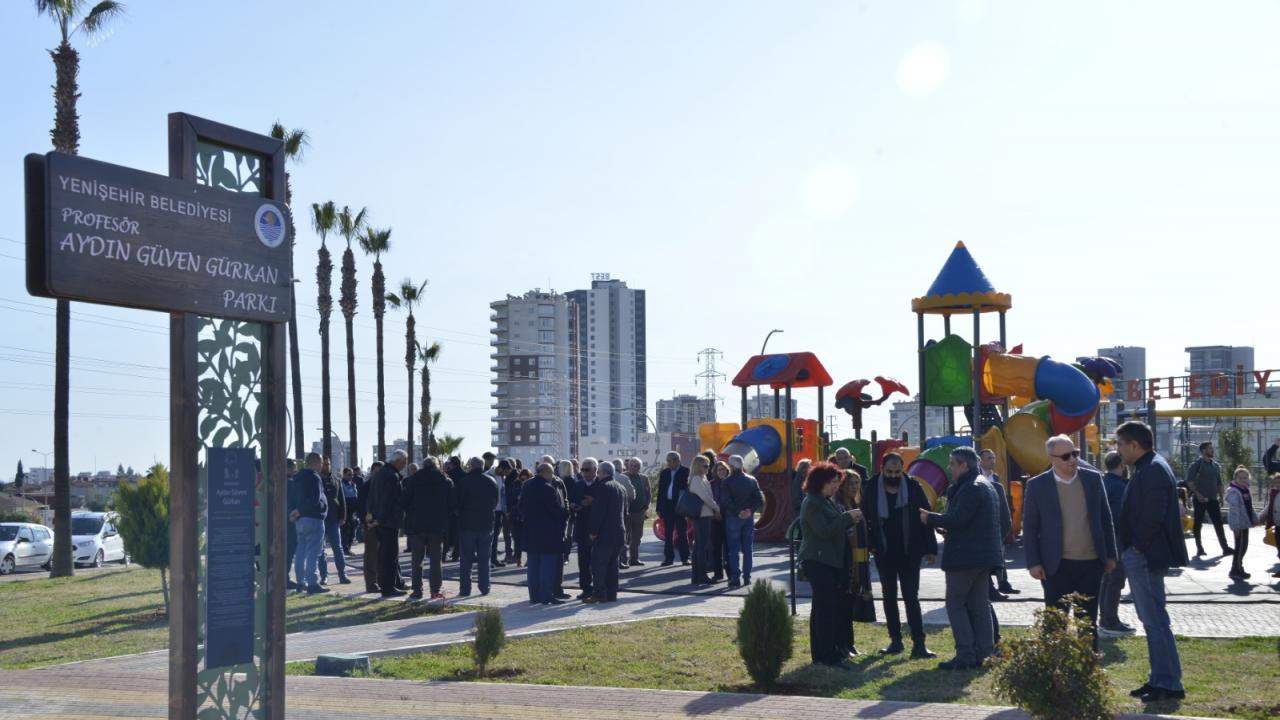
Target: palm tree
column 448, row 445
column 71, row 19
column 427, row 419
column 409, row 296
column 323, row 220
column 349, row 226
column 375, row 242
column 295, row 144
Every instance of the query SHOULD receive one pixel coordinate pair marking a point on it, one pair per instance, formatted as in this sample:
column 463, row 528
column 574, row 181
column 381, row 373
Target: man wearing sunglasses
column 1067, row 529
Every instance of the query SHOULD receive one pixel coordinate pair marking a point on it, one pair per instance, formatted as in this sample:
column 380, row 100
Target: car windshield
column 8, row 532
column 85, row 526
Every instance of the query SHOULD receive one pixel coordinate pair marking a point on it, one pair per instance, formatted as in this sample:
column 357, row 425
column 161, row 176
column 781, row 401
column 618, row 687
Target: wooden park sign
column 108, row 234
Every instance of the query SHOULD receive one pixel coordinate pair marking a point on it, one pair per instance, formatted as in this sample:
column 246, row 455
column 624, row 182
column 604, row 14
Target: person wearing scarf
column 856, row 603
column 898, row 543
column 1240, row 517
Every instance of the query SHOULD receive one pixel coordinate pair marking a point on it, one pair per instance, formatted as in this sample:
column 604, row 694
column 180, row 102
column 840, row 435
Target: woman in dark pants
column 824, row 555
column 849, row 497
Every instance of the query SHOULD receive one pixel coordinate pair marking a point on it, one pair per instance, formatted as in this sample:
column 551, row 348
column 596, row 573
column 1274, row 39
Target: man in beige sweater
column 1067, row 529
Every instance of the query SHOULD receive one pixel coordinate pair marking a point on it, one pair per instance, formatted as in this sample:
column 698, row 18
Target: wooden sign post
column 210, row 245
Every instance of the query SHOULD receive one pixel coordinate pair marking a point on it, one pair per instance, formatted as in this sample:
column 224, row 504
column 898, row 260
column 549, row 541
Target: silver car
column 24, row 546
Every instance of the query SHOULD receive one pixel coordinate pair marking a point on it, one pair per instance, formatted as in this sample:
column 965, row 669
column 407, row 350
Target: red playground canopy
column 800, row 370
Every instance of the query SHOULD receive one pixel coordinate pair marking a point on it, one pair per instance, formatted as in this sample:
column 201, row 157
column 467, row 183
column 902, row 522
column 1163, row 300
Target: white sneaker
column 1115, row 632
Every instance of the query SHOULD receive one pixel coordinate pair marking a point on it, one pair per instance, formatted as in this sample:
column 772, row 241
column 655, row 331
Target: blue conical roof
column 961, row 286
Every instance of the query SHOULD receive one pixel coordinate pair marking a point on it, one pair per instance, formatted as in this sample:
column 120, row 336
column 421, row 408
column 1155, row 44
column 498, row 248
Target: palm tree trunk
column 424, row 416
column 410, row 358
column 66, row 138
column 324, row 303
column 348, row 314
column 379, row 309
column 295, row 370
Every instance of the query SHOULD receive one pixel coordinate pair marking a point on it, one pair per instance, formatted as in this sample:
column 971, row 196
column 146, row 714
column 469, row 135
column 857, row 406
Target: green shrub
column 490, row 637
column 765, row 632
column 144, row 523
column 18, row 516
column 1052, row 672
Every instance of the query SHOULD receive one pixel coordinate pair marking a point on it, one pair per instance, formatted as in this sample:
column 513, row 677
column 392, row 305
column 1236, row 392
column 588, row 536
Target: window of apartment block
column 546, row 336
column 547, row 323
column 547, row 311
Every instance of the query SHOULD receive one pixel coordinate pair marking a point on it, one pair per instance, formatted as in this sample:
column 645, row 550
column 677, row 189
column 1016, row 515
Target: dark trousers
column 542, row 576
column 1109, row 596
column 719, row 551
column 635, row 533
column 1076, row 576
column 898, row 570
column 969, row 612
column 1242, row 544
column 348, row 531
column 703, row 549
column 388, row 558
column 500, row 527
column 827, row 584
column 844, row 619
column 1213, row 509
column 370, row 560
column 452, row 544
column 676, row 537
column 472, row 545
column 432, row 546
column 604, row 570
column 585, row 575
column 517, row 539
column 333, row 534
column 291, row 545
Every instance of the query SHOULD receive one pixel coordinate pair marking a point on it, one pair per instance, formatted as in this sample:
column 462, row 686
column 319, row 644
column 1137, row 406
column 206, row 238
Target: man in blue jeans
column 1150, row 531
column 477, row 494
column 335, row 517
column 307, row 517
column 741, row 499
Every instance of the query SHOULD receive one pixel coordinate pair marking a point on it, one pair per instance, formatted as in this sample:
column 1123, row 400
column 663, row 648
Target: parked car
column 95, row 539
column 24, row 546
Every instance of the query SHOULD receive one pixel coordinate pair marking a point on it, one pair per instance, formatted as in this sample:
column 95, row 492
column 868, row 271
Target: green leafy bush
column 1052, row 672
column 765, row 632
column 144, row 523
column 17, row 516
column 490, row 637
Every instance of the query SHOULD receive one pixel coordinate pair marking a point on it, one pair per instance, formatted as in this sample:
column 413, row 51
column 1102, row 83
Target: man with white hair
column 477, row 491
column 740, row 500
column 609, row 471
column 580, row 501
column 673, row 481
column 637, row 509
column 1067, row 529
column 385, row 509
column 607, row 531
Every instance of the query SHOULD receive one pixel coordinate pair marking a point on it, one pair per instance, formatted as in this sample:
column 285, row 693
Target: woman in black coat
column 544, row 514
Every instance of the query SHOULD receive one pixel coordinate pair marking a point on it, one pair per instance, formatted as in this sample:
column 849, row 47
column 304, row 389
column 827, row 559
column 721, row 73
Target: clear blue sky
column 752, row 165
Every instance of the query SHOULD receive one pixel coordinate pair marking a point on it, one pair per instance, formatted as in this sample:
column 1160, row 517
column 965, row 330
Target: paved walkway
column 64, row 695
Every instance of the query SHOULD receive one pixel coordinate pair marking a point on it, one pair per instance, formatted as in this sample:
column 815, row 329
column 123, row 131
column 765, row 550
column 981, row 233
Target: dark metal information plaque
column 229, row 583
column 108, row 234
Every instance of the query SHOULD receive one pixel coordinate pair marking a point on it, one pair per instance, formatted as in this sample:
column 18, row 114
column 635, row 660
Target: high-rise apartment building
column 1213, row 359
column 761, row 406
column 684, row 413
column 1133, row 360
column 536, row 387
column 610, row 362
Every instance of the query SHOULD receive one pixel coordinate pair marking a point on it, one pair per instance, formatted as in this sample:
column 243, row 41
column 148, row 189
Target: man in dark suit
column 477, row 493
column 608, row 533
column 427, row 500
column 1150, row 532
column 673, row 480
column 581, row 496
column 545, row 514
column 1067, row 530
column 387, row 518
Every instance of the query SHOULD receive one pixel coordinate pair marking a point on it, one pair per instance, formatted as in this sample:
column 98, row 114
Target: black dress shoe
column 997, row 596
column 920, row 652
column 554, row 601
column 1158, row 694
column 665, row 563
column 684, row 562
column 561, row 596
column 1146, row 688
column 956, row 664
column 394, row 593
column 637, row 563
column 1009, row 590
column 344, row 581
column 895, row 648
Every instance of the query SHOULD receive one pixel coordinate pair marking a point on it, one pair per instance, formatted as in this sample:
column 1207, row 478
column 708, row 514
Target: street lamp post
column 763, row 345
column 657, row 441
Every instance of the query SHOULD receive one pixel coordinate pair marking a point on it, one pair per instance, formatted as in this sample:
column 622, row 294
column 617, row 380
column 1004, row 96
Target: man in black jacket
column 545, row 513
column 309, row 509
column 898, row 543
column 1150, row 531
column 477, row 494
column 740, row 500
column 385, row 509
column 291, row 535
column 608, row 533
column 672, row 481
column 427, row 499
column 370, row 537
column 581, row 497
column 453, row 470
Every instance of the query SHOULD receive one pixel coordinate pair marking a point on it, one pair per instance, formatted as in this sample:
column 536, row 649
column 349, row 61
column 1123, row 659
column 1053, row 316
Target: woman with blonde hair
column 703, row 530
column 858, row 603
column 1240, row 517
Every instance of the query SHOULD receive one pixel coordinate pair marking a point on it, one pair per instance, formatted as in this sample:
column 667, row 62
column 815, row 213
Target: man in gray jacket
column 740, row 500
column 1204, row 482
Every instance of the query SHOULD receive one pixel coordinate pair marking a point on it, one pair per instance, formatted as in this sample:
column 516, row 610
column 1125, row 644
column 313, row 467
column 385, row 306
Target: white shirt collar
column 1065, row 481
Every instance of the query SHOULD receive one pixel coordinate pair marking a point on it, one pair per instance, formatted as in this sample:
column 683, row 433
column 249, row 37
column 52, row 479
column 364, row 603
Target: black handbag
column 689, row 505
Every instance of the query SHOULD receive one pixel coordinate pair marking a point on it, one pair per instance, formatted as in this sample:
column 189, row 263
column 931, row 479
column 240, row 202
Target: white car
column 24, row 546
column 95, row 540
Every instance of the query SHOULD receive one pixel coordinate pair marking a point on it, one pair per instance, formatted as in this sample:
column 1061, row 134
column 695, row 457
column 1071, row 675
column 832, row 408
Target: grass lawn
column 119, row 612
column 1235, row 678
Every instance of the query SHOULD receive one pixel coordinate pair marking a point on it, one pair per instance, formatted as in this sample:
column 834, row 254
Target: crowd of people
column 1086, row 533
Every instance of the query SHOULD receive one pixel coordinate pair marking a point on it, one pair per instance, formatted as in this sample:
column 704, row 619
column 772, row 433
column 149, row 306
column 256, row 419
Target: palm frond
column 323, row 218
column 296, row 141
column 101, row 14
column 349, row 226
column 375, row 241
column 394, row 299
column 429, row 353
